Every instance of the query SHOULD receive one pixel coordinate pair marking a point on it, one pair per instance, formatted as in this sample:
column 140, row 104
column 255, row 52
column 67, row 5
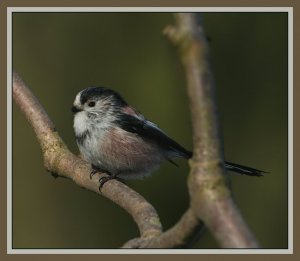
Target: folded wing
column 148, row 130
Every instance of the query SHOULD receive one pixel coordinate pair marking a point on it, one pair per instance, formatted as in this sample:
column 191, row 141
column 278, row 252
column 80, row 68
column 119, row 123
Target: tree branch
column 210, row 197
column 180, row 235
column 58, row 159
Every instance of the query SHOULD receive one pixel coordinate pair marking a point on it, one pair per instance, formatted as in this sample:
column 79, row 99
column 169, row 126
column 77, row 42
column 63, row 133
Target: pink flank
column 128, row 152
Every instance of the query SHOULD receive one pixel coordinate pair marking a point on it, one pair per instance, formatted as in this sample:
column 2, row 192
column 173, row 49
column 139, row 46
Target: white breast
column 80, row 123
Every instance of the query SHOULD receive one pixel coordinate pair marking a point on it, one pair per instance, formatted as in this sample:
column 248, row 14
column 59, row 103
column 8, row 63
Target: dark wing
column 148, row 130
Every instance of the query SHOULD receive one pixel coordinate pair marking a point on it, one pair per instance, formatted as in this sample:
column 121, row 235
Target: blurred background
column 58, row 54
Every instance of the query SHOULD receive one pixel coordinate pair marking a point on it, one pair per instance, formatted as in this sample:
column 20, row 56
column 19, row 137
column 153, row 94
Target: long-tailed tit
column 118, row 140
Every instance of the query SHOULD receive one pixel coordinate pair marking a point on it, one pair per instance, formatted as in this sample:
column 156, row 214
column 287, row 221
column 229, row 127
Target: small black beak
column 75, row 109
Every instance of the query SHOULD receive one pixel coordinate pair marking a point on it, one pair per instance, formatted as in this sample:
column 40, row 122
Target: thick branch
column 210, row 197
column 58, row 159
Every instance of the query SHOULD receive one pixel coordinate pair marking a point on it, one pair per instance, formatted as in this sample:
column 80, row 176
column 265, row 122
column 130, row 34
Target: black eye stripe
column 91, row 104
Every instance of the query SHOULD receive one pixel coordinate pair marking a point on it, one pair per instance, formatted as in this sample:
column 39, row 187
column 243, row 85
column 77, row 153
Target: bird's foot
column 96, row 169
column 103, row 180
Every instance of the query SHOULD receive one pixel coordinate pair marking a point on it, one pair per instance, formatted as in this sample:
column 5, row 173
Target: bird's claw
column 103, row 180
column 96, row 169
column 93, row 172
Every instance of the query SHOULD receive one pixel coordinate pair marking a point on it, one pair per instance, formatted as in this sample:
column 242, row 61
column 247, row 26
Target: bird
column 117, row 139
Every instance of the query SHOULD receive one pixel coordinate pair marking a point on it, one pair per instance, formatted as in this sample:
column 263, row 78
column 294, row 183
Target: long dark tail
column 243, row 169
column 228, row 165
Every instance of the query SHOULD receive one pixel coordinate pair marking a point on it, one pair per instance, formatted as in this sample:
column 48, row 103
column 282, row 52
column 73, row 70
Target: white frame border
column 10, row 10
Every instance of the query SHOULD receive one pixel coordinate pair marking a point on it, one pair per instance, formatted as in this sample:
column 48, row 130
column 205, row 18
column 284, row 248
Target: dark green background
column 58, row 54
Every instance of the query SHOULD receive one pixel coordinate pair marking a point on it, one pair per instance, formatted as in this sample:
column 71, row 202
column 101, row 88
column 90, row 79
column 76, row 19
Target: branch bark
column 210, row 198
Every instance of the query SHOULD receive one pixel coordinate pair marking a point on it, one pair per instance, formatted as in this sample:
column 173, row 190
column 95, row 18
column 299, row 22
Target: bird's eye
column 91, row 104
